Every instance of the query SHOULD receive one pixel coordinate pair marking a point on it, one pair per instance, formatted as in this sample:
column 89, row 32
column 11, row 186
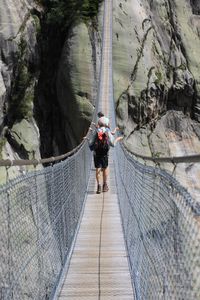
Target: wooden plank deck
column 99, row 267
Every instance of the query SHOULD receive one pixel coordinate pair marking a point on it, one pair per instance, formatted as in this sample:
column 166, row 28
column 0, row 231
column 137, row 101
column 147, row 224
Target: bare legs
column 105, row 177
column 98, row 173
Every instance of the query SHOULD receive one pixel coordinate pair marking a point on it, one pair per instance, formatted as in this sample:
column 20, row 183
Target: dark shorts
column 100, row 161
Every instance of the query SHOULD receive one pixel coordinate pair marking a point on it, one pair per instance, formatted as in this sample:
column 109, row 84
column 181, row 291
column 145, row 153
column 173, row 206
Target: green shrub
column 159, row 77
column 2, row 144
column 37, row 23
column 61, row 12
column 22, row 97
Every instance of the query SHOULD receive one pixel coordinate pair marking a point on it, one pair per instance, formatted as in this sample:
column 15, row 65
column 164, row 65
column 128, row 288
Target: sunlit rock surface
column 77, row 81
column 47, row 78
column 19, row 61
column 157, row 78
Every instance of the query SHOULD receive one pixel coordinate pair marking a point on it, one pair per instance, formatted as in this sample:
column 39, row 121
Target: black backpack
column 101, row 144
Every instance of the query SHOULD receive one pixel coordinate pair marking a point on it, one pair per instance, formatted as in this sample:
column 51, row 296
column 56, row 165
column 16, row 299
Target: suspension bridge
column 59, row 240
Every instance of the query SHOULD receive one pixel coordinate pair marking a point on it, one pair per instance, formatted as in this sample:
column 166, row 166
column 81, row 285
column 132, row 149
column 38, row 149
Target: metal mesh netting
column 162, row 231
column 39, row 213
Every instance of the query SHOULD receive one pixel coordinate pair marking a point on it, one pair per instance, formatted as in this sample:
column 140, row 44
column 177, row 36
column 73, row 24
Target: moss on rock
column 25, row 139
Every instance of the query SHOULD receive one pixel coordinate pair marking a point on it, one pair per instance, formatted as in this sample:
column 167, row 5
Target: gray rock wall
column 157, row 80
column 77, row 81
column 156, row 69
column 156, row 65
column 19, row 66
column 48, row 78
column 67, row 85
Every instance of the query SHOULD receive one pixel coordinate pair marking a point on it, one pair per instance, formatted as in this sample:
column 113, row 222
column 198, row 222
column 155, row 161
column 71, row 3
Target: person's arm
column 114, row 131
column 119, row 138
column 90, row 129
column 111, row 139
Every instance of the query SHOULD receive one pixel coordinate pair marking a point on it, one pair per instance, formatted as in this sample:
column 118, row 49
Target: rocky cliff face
column 157, row 79
column 19, row 67
column 77, row 81
column 68, row 78
column 49, row 63
column 156, row 75
column 49, row 72
column 50, row 75
column 159, row 69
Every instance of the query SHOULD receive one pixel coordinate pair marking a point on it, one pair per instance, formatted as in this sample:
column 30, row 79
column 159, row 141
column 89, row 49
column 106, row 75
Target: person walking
column 100, row 145
column 104, row 120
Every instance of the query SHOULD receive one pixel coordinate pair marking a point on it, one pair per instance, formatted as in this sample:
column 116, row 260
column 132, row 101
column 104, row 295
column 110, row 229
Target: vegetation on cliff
column 40, row 41
column 57, row 22
column 62, row 13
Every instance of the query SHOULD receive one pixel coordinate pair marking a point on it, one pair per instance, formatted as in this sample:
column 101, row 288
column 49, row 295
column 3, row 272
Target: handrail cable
column 165, row 159
column 40, row 212
column 35, row 162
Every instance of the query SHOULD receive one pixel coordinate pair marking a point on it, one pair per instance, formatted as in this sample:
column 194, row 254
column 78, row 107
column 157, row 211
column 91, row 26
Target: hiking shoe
column 98, row 189
column 105, row 187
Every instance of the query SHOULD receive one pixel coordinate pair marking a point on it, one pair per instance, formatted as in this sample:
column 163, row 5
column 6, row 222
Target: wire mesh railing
column 162, row 231
column 39, row 213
